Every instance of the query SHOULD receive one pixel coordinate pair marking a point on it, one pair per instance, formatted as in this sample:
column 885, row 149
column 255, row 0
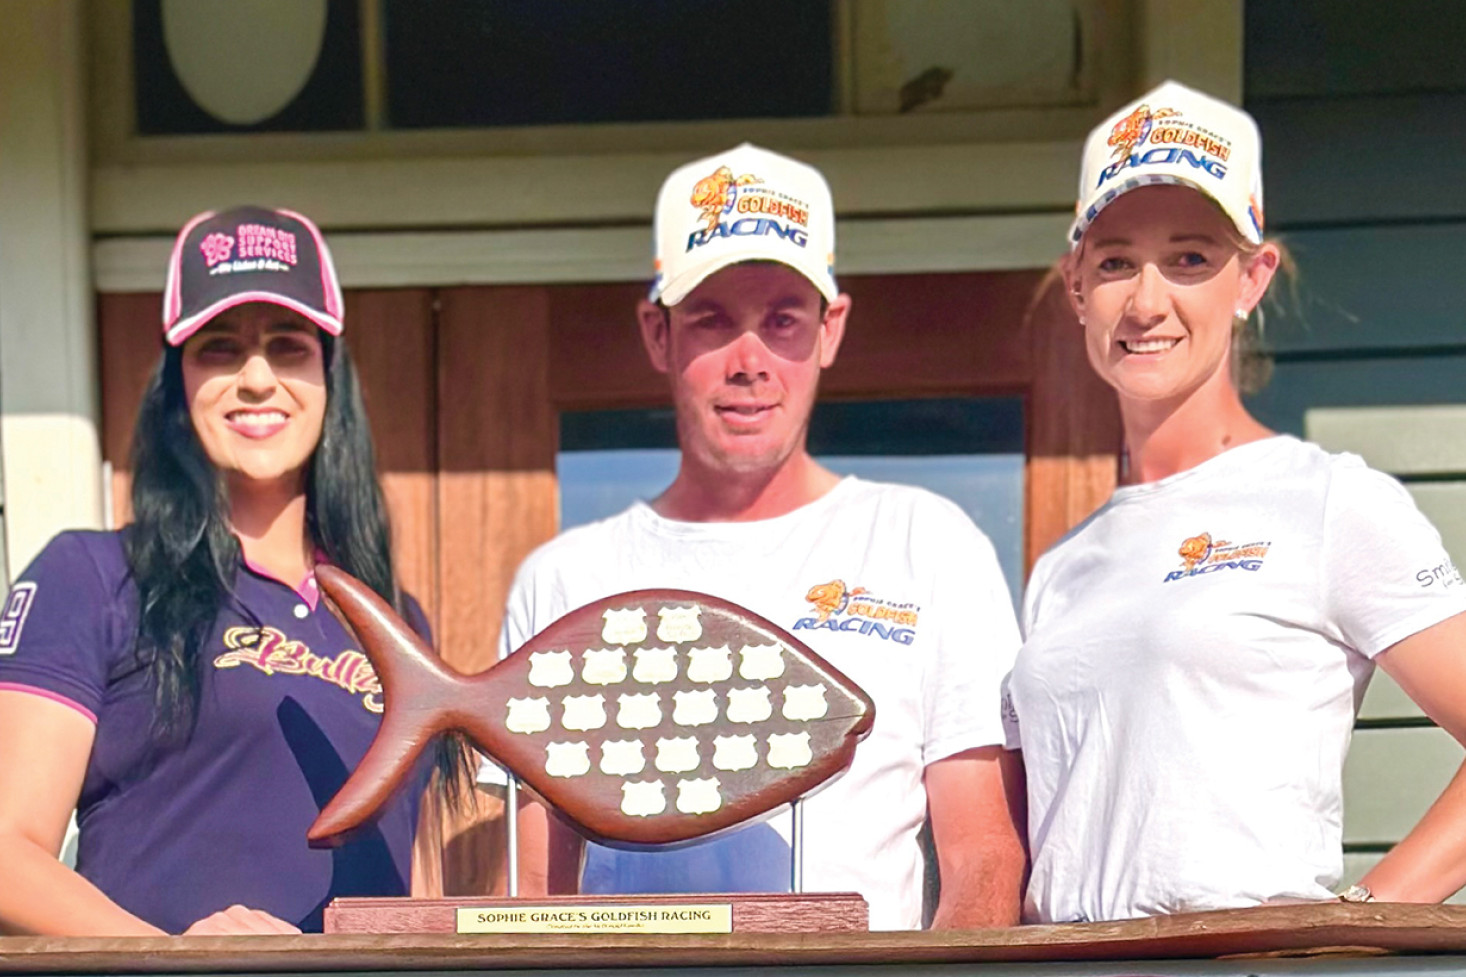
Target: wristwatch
column 1356, row 893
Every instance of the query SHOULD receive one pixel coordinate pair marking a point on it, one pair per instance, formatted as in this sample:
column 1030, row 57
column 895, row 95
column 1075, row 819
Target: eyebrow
column 701, row 308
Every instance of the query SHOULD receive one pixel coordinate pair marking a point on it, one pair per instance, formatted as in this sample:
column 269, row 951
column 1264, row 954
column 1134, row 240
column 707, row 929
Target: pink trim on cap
column 181, row 330
column 329, row 283
column 173, row 288
column 48, row 694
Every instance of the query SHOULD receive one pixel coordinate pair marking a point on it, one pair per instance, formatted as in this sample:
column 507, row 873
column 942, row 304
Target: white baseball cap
column 1177, row 135
column 746, row 204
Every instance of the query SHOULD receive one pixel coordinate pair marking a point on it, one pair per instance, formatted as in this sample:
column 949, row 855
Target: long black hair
column 183, row 556
column 181, row 551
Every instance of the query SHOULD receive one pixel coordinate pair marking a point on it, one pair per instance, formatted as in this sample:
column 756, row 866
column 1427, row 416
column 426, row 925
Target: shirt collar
column 306, row 589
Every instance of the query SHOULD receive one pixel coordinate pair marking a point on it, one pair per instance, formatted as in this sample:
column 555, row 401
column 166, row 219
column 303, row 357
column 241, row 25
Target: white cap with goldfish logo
column 746, row 204
column 1177, row 135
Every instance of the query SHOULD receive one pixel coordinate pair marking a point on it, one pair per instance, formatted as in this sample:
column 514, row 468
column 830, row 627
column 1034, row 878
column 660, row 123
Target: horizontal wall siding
column 1363, row 114
column 1407, row 441
column 1337, row 160
column 1372, row 288
column 1391, row 777
column 1383, row 378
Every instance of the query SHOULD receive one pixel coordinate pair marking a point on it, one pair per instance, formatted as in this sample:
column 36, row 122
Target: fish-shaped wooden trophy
column 648, row 718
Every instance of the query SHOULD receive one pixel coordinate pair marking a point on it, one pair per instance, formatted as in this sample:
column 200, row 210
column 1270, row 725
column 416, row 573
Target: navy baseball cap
column 249, row 254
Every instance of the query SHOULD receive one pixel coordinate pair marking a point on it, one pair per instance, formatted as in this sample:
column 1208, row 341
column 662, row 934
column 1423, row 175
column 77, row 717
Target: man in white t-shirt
column 893, row 585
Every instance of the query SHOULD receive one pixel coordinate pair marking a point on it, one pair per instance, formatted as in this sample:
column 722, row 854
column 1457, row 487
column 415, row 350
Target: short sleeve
column 57, row 630
column 1012, row 729
column 1386, row 574
column 976, row 642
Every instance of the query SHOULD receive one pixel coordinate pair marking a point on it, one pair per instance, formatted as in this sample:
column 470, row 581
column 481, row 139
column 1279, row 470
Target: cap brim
column 1094, row 208
column 178, row 332
column 679, row 288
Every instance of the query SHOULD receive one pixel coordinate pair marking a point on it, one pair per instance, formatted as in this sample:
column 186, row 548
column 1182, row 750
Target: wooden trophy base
column 720, row 912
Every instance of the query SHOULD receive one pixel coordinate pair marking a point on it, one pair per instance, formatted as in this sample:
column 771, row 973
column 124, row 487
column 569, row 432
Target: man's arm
column 978, row 837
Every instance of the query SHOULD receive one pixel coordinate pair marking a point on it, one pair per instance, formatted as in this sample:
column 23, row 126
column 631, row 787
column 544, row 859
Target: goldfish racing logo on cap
column 1174, row 135
column 1149, row 136
column 745, row 206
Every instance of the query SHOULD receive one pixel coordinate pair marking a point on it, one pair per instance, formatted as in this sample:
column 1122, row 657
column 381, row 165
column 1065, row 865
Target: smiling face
column 744, row 351
column 255, row 381
column 1157, row 283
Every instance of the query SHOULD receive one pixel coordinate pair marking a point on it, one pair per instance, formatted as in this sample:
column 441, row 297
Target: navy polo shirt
column 287, row 708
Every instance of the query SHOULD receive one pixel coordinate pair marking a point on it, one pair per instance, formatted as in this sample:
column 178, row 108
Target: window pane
column 962, row 55
column 282, row 66
column 527, row 62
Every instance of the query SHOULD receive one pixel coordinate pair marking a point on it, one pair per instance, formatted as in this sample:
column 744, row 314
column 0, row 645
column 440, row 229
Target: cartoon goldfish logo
column 828, row 598
column 832, row 598
column 1132, row 130
column 1196, row 549
column 714, row 195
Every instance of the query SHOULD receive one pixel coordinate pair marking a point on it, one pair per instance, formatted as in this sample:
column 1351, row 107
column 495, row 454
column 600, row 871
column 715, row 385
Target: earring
column 1240, row 313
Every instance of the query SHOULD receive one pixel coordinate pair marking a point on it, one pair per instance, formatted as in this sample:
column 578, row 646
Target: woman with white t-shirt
column 1196, row 650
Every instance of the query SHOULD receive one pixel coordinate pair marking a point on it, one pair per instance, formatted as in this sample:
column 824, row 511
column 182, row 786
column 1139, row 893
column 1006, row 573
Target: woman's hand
column 239, row 921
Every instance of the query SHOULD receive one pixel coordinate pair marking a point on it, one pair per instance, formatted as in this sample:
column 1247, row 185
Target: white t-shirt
column 1195, row 655
column 918, row 615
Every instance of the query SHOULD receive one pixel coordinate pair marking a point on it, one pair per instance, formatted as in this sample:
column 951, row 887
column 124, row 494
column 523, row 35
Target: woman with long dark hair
column 178, row 682
column 1196, row 650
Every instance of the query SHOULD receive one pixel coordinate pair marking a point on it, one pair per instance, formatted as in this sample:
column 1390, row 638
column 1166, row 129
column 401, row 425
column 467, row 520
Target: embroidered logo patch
column 1202, row 554
column 12, row 619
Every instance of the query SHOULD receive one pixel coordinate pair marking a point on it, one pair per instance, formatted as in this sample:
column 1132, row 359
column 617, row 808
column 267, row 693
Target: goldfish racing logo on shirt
column 1170, row 139
column 271, row 652
column 1202, row 554
column 837, row 607
column 721, row 197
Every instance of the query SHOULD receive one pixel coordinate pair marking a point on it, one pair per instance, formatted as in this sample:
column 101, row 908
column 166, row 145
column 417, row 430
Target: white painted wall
column 48, row 388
